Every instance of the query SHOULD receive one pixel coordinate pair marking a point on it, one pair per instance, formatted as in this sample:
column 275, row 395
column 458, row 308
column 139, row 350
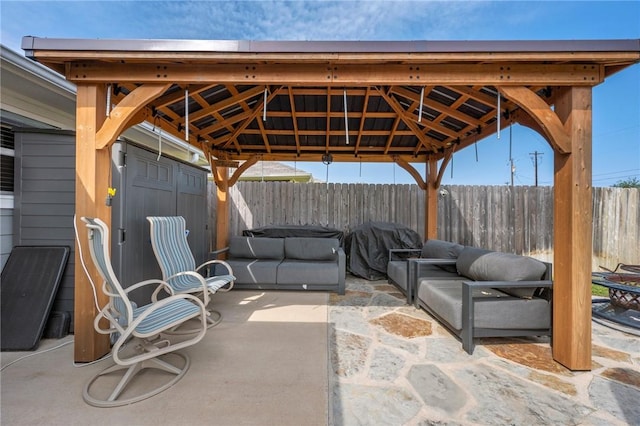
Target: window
column 7, row 154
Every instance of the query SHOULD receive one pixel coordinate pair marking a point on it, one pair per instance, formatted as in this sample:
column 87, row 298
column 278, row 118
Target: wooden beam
column 411, row 170
column 407, row 119
column 251, row 116
column 240, row 170
column 542, row 113
column 363, row 118
column 431, row 200
column 221, row 177
column 92, row 182
column 572, row 236
column 294, row 119
column 310, row 74
column 448, row 155
column 126, row 112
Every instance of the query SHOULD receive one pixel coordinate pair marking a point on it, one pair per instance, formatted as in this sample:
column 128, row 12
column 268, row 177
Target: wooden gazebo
column 412, row 103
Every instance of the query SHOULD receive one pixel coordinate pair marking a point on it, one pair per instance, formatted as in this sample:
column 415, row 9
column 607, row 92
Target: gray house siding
column 44, row 204
column 44, row 198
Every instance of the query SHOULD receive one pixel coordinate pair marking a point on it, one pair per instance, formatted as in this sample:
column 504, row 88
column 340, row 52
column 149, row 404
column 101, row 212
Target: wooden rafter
column 363, row 118
column 392, row 134
column 294, row 118
column 408, row 121
column 251, row 116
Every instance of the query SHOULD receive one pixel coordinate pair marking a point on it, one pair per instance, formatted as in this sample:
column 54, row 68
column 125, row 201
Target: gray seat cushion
column 307, row 272
column 256, row 248
column 492, row 308
column 254, row 271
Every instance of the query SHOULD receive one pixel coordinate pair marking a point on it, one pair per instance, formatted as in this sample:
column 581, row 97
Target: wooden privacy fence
column 516, row 219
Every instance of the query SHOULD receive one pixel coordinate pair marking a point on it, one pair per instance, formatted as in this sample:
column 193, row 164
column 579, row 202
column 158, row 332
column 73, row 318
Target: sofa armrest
column 467, row 303
column 508, row 284
column 413, row 272
column 395, row 254
column 342, row 270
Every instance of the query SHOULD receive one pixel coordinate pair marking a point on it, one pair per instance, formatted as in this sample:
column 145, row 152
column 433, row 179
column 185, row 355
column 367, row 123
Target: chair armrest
column 216, row 262
column 161, row 285
column 219, row 251
column 395, row 252
column 205, row 292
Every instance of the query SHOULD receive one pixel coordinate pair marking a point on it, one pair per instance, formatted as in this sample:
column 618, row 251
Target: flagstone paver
column 395, row 365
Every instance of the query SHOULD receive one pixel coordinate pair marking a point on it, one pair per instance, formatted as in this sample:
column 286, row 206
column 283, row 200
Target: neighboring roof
column 274, row 171
column 403, row 101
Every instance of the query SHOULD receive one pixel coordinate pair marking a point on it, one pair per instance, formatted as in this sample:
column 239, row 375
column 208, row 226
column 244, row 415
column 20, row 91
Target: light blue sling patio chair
column 174, row 256
column 136, row 333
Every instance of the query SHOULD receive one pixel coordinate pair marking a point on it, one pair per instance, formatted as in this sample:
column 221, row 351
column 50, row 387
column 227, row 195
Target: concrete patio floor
column 383, row 363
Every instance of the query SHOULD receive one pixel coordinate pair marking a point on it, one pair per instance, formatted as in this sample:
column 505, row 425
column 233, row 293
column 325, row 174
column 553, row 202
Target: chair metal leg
column 113, row 400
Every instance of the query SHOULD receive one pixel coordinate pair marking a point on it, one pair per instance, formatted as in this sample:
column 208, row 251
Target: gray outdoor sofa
column 291, row 263
column 476, row 292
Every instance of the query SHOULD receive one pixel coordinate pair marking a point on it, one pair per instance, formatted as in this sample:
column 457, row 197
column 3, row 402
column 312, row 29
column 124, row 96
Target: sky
column 616, row 102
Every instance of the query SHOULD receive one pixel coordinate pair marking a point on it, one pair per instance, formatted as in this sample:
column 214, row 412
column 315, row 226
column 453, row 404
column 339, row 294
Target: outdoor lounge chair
column 137, row 332
column 170, row 246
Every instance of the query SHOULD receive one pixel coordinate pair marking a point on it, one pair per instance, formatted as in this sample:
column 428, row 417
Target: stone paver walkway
column 392, row 364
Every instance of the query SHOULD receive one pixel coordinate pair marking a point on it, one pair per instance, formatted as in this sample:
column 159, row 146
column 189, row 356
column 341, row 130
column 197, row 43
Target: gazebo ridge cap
column 327, row 46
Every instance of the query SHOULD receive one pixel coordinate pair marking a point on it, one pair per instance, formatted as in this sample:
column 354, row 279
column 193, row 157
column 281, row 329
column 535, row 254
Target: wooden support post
column 221, row 177
column 573, row 233
column 431, row 200
column 92, row 182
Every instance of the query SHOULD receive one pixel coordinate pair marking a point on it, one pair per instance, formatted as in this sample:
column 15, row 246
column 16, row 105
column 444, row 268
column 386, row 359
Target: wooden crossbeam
column 299, row 74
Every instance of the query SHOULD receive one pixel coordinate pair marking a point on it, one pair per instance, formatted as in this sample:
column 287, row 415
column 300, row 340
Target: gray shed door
column 150, row 186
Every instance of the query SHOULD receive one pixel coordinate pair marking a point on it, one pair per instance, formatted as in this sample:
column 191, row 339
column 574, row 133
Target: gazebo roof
column 356, row 100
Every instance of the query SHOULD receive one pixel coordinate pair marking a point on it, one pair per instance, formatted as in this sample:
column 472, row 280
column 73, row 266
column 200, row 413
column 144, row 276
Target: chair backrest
column 120, row 305
column 169, row 242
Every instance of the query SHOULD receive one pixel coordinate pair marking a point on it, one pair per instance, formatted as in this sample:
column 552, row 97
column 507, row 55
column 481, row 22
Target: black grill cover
column 367, row 247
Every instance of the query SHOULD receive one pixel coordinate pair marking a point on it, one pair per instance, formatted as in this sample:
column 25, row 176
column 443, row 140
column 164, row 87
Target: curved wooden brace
column 445, row 161
column 127, row 113
column 551, row 126
column 240, row 170
column 411, row 170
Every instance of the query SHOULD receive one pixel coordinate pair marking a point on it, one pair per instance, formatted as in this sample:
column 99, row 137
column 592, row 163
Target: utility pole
column 513, row 170
column 535, row 163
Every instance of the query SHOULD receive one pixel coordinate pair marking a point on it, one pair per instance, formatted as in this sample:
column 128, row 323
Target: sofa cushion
column 256, row 248
column 300, row 248
column 307, row 272
column 485, row 265
column 439, row 249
